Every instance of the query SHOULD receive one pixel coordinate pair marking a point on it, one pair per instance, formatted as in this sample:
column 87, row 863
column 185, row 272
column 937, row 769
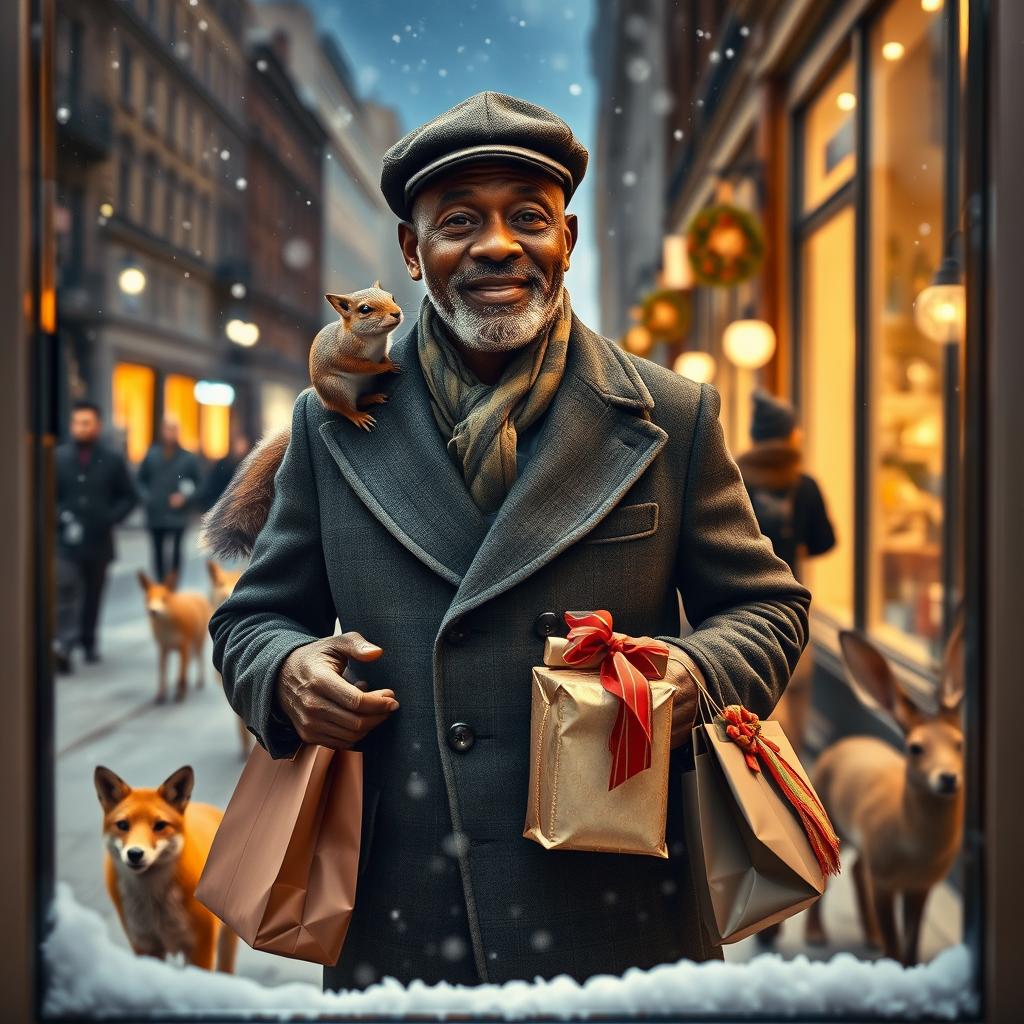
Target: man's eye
column 459, row 220
column 532, row 217
column 159, row 826
column 123, row 825
column 364, row 308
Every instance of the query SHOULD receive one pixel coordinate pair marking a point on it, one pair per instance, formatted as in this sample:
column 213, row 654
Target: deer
column 902, row 812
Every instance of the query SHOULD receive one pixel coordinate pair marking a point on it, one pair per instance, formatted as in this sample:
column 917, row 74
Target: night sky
column 423, row 58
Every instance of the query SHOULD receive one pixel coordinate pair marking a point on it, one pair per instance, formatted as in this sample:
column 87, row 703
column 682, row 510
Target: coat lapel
column 595, row 443
column 402, row 473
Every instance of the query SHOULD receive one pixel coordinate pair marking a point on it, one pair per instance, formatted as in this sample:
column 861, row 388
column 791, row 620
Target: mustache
column 528, row 273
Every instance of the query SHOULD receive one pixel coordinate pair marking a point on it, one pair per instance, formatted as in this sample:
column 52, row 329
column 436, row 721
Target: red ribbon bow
column 625, row 670
column 743, row 727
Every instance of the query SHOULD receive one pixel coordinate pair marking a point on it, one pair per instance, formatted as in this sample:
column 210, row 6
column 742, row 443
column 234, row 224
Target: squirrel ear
column 376, row 284
column 341, row 303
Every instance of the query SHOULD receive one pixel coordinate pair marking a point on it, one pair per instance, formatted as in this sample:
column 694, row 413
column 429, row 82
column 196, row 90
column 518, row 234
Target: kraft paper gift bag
column 760, row 842
column 598, row 777
column 282, row 868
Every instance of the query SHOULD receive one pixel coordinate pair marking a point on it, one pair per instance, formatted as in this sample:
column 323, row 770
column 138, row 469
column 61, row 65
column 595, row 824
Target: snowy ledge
column 89, row 975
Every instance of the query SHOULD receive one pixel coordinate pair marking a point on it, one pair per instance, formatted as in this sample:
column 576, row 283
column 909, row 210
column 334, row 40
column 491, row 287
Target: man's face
column 169, row 433
column 85, row 426
column 491, row 241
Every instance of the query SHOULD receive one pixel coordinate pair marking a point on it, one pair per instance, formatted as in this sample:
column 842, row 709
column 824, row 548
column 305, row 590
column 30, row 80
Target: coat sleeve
column 282, row 601
column 749, row 613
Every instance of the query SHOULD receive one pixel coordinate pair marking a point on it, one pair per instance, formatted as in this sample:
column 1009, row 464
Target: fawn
column 903, row 813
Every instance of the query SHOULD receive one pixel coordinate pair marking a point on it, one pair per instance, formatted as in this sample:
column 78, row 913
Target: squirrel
column 345, row 358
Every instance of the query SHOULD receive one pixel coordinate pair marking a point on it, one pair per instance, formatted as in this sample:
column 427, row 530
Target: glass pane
column 180, row 404
column 906, row 434
column 828, row 343
column 829, row 139
column 132, row 403
column 215, row 430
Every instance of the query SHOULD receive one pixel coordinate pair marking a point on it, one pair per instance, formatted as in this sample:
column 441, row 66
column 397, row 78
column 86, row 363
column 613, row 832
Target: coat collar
column 595, row 442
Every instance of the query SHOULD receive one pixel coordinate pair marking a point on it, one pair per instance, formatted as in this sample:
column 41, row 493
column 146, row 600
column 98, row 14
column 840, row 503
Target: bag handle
column 705, row 702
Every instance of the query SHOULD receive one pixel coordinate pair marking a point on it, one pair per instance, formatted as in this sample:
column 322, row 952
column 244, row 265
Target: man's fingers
column 347, row 696
column 355, row 645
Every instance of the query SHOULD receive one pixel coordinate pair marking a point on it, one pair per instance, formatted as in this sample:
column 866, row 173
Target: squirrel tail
column 229, row 529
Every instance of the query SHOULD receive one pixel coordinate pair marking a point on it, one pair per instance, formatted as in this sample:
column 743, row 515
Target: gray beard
column 484, row 331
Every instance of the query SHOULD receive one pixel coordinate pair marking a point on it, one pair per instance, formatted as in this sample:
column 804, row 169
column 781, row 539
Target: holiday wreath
column 725, row 245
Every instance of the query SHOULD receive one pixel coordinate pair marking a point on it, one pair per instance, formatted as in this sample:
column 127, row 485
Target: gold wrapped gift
column 576, row 800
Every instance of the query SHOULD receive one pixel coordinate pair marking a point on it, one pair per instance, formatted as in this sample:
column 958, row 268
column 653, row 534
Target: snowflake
column 541, row 940
column 629, row 178
column 677, row 134
column 396, row 38
column 638, row 70
column 241, row 184
column 575, row 89
column 453, row 948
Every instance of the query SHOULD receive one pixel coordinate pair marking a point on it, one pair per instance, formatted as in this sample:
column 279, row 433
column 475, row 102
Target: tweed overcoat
column 629, row 496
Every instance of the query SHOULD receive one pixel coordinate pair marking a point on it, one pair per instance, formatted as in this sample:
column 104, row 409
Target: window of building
column 215, row 430
column 829, row 138
column 172, row 117
column 125, row 170
column 827, row 410
column 149, row 183
column 180, row 405
column 127, row 71
column 133, row 390
column 171, row 224
column 149, row 104
column 905, row 594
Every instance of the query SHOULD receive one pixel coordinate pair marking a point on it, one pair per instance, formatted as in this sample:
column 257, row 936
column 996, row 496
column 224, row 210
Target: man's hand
column 325, row 707
column 684, row 704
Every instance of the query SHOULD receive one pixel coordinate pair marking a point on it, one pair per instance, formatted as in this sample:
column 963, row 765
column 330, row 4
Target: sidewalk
column 106, row 715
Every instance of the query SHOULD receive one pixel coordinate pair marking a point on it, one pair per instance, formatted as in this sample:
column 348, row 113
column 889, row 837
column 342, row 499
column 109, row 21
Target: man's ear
column 572, row 227
column 409, row 243
column 341, row 303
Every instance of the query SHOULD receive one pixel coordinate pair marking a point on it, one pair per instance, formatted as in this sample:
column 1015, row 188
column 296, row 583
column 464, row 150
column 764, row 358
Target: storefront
column 845, row 142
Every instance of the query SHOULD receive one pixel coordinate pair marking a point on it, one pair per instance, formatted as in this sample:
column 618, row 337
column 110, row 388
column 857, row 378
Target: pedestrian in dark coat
column 629, row 494
column 94, row 493
column 220, row 473
column 168, row 479
column 788, row 503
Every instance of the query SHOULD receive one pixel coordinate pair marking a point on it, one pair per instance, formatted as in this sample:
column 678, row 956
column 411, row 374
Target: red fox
column 157, row 843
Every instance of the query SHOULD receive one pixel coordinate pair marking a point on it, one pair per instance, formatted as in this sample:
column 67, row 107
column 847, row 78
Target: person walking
column 788, row 503
column 94, row 493
column 221, row 472
column 168, row 478
column 522, row 466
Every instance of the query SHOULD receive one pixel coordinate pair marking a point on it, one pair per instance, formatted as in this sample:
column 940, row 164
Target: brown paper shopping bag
column 282, row 869
column 752, row 853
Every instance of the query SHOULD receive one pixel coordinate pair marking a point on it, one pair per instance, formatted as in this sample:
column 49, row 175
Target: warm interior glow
column 132, row 388
column 931, row 5
column 241, row 332
column 215, row 430
column 749, row 343
column 180, row 404
column 892, row 50
column 638, row 340
column 846, row 101
column 676, row 270
column 698, row 366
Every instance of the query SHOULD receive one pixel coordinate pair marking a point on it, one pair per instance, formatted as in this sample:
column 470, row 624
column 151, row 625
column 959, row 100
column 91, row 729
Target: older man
column 522, row 466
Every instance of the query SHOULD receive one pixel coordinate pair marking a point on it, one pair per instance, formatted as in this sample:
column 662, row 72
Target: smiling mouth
column 498, row 290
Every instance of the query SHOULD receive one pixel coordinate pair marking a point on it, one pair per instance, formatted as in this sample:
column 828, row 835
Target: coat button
column 460, row 737
column 546, row 624
column 456, row 633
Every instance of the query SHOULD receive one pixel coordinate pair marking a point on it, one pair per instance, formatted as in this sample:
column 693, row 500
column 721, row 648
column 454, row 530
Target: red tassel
column 743, row 727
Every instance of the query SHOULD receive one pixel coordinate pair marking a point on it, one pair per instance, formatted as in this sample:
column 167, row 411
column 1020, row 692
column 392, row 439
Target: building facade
column 838, row 126
column 360, row 240
column 150, row 216
column 284, row 220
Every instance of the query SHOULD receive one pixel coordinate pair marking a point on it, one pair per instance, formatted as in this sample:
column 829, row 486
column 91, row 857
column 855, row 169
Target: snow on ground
column 89, row 974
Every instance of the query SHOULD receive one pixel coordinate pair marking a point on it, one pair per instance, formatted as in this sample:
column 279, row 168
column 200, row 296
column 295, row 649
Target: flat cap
column 489, row 125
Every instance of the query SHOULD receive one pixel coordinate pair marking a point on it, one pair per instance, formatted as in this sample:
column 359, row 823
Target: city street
column 106, row 715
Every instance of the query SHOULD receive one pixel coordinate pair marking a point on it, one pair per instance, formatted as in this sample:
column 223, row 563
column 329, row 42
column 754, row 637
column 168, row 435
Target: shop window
column 830, row 141
column 827, row 415
column 215, row 430
column 133, row 388
column 180, row 404
column 905, row 596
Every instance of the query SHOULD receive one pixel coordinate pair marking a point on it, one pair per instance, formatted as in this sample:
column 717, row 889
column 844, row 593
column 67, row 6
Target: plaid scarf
column 482, row 421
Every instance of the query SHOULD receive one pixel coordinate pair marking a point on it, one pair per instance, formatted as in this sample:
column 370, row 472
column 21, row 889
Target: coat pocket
column 626, row 522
